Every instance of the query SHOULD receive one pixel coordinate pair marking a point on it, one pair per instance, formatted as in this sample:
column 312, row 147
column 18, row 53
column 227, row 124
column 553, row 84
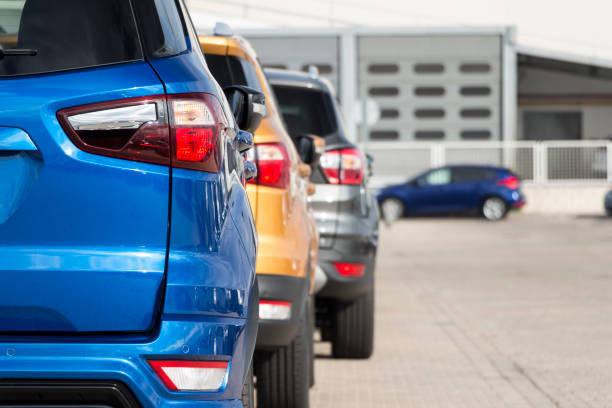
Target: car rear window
column 231, row 70
column 306, row 111
column 66, row 34
column 164, row 31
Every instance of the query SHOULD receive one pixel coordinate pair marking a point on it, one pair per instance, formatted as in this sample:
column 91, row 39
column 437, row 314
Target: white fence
column 576, row 161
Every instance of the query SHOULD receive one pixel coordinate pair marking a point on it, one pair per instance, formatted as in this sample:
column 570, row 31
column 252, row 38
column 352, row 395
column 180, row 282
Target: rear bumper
column 279, row 333
column 349, row 249
column 204, row 338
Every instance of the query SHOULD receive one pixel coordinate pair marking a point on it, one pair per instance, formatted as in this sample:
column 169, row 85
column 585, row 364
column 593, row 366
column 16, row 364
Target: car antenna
column 222, row 30
column 313, row 71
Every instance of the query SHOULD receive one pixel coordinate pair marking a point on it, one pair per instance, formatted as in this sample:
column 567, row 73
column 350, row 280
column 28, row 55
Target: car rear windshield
column 65, row 34
column 306, row 111
column 230, row 70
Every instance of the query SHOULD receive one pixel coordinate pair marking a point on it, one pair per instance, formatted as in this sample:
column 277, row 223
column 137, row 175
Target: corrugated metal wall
column 297, row 53
column 428, row 87
column 432, row 87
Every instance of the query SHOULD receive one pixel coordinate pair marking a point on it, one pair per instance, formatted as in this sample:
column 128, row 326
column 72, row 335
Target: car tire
column 353, row 327
column 392, row 209
column 609, row 212
column 283, row 375
column 248, row 390
column 311, row 329
column 494, row 208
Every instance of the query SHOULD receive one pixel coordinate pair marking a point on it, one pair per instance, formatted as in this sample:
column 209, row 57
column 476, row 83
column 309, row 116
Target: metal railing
column 575, row 161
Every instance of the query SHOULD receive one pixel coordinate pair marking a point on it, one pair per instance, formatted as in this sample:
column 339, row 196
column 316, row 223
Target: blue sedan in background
column 492, row 191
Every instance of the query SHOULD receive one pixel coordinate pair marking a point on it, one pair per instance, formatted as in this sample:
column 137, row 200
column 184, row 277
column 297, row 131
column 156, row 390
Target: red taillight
column 197, row 124
column 350, row 270
column 191, row 375
column 273, row 166
column 510, row 182
column 345, row 166
column 142, row 129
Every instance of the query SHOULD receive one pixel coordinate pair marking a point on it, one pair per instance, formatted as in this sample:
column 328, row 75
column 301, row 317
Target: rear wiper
column 27, row 52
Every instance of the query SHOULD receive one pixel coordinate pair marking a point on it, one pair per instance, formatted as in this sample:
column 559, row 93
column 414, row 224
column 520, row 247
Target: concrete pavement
column 477, row 314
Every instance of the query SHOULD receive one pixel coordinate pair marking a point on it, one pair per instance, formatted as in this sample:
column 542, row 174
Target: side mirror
column 248, row 106
column 308, row 150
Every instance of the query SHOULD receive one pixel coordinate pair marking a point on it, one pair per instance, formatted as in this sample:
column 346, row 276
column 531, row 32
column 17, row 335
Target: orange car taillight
column 344, row 166
column 273, row 166
column 149, row 128
column 191, row 375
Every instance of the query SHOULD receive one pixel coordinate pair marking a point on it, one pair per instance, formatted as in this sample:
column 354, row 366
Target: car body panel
column 119, row 261
column 457, row 196
column 346, row 215
column 281, row 215
column 59, row 253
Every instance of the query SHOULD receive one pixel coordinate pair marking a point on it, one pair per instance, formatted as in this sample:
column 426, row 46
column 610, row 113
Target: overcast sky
column 575, row 27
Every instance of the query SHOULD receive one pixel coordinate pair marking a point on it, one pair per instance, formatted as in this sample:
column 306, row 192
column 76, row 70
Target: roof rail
column 223, row 30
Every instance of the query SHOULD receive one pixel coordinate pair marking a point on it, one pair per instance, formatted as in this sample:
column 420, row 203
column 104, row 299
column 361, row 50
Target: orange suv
column 288, row 240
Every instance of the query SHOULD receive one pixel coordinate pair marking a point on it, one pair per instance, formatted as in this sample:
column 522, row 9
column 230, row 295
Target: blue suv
column 127, row 244
column 492, row 191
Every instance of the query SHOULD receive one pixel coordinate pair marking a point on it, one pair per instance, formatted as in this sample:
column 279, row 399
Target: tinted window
column 306, row 111
column 66, row 34
column 230, row 70
column 219, row 68
column 466, row 175
column 437, row 177
column 163, row 31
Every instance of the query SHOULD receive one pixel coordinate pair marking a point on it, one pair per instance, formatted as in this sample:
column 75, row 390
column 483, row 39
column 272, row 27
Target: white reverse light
column 274, row 310
column 188, row 375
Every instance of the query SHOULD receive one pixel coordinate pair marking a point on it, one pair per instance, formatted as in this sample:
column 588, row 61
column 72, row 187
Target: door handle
column 14, row 139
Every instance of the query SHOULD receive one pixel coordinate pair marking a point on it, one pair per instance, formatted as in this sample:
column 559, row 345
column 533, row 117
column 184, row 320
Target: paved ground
column 477, row 314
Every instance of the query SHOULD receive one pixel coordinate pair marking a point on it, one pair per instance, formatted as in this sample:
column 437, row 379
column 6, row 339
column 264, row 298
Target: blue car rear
column 127, row 247
column 492, row 191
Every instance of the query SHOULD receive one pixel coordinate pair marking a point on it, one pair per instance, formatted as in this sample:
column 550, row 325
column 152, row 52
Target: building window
column 384, row 135
column 384, row 91
column 429, row 68
column 389, row 113
column 324, row 69
column 429, row 91
column 383, row 68
column 429, row 113
column 475, row 91
column 429, row 134
column 552, row 125
column 476, row 134
column 275, row 66
column 475, row 113
column 475, row 68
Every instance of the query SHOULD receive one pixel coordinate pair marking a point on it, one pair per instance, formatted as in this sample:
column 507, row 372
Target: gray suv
column 346, row 214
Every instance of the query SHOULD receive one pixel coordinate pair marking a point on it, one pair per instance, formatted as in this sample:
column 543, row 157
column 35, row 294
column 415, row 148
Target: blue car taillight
column 185, row 130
